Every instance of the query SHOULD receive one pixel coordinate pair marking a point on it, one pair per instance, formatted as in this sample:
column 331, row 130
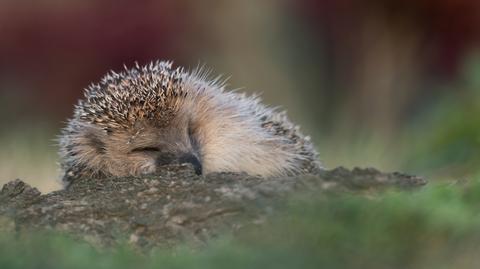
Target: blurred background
column 393, row 84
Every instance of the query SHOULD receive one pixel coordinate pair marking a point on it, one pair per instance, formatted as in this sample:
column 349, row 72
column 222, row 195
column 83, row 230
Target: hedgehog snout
column 169, row 158
column 192, row 159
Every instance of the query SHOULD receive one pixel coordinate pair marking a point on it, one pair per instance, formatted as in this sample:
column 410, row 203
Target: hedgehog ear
column 93, row 137
column 96, row 142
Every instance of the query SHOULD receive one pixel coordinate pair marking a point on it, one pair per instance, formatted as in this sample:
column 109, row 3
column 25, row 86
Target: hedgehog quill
column 133, row 122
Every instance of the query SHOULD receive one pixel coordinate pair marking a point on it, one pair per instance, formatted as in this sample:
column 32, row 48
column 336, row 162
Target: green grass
column 436, row 227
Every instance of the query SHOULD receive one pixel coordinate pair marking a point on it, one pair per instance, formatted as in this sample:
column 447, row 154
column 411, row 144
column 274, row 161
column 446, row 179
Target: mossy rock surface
column 174, row 206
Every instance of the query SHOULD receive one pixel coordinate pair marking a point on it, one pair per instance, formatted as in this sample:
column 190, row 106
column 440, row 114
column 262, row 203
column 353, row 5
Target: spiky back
column 149, row 92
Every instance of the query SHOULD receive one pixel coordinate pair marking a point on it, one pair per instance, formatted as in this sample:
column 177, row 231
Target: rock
column 173, row 206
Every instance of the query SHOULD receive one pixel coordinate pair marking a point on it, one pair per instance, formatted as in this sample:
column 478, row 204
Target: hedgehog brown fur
column 134, row 121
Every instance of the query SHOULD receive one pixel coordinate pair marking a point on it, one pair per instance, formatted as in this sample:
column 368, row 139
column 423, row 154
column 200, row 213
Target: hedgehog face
column 146, row 147
column 138, row 150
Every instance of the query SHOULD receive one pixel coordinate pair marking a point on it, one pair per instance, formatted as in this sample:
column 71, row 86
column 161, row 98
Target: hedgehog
column 135, row 121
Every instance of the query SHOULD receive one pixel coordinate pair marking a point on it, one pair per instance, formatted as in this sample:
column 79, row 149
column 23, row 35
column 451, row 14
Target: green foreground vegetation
column 434, row 227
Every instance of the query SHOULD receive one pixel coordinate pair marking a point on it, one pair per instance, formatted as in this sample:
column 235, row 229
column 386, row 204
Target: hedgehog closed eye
column 195, row 119
column 146, row 149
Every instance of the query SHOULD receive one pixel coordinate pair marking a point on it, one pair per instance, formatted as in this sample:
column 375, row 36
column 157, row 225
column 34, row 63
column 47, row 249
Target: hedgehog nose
column 192, row 159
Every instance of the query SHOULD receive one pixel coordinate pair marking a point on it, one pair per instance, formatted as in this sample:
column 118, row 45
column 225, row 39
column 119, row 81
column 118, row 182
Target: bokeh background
column 393, row 84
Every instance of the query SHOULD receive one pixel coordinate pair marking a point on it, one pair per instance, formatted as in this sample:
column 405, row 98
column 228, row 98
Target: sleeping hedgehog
column 135, row 121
